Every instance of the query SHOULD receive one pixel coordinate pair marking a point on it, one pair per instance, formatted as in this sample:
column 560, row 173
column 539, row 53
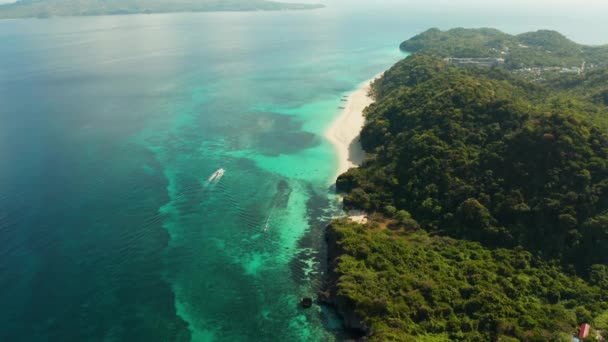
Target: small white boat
column 267, row 224
column 217, row 175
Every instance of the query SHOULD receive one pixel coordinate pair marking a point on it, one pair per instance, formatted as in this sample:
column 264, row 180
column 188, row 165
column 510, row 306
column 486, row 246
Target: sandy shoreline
column 344, row 131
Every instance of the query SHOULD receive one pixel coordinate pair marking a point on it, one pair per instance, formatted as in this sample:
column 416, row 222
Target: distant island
column 50, row 8
column 486, row 189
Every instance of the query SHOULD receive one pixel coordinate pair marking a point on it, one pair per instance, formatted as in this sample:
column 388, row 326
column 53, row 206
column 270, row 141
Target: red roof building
column 584, row 330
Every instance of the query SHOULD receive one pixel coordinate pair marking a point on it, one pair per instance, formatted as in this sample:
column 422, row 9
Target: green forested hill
column 479, row 154
column 415, row 287
column 46, row 8
column 542, row 48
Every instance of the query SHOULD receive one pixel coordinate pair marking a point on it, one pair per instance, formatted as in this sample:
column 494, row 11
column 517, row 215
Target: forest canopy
column 416, row 287
column 481, row 155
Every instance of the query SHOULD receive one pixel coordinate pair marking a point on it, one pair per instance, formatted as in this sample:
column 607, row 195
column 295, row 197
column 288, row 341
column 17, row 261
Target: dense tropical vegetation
column 47, row 8
column 467, row 154
column 542, row 48
column 415, row 287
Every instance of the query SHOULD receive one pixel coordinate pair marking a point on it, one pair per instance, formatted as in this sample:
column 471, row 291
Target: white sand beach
column 344, row 131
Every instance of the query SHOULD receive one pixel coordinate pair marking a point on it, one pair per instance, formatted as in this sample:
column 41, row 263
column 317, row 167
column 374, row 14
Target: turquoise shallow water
column 109, row 130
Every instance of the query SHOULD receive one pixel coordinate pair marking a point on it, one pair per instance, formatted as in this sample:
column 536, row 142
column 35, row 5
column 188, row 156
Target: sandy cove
column 345, row 130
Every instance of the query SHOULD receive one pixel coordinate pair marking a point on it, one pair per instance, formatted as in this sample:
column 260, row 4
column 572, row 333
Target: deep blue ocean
column 110, row 128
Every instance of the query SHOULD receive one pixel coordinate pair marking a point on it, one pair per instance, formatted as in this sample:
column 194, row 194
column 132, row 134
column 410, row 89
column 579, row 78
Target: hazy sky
column 596, row 4
column 487, row 4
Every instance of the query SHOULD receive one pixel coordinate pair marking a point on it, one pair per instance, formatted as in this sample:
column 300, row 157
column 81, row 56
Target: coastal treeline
column 464, row 159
